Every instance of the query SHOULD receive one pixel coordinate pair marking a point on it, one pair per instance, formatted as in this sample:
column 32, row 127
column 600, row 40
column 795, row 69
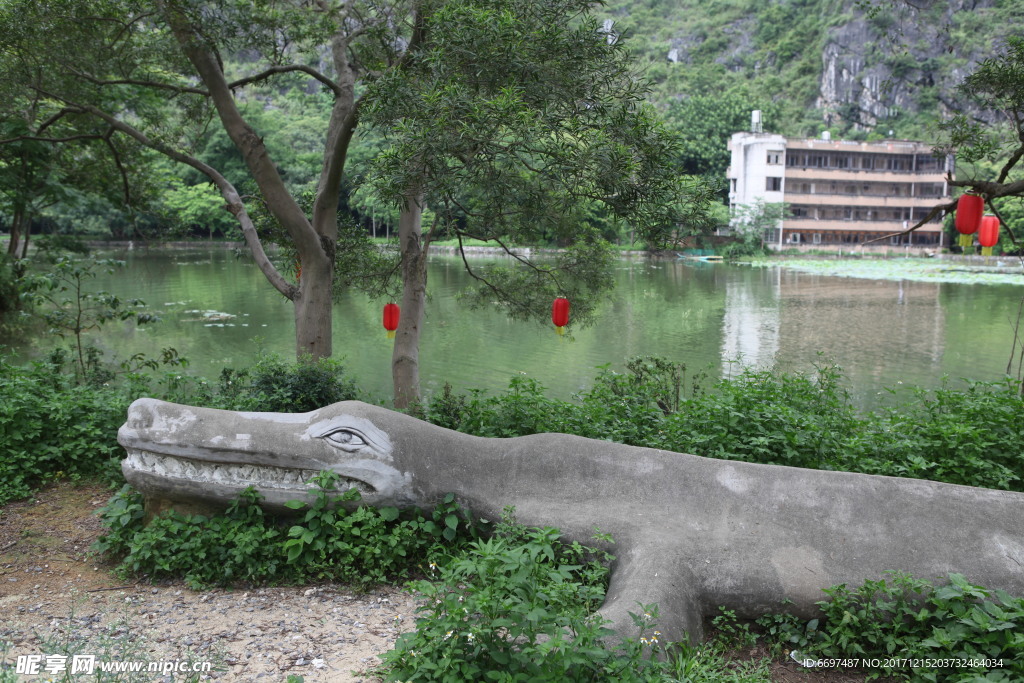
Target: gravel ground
column 55, row 599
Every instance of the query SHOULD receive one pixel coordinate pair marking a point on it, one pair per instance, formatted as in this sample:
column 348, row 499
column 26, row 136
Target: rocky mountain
column 858, row 67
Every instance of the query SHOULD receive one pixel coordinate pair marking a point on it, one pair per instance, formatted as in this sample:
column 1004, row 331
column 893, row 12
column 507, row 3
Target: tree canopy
column 492, row 115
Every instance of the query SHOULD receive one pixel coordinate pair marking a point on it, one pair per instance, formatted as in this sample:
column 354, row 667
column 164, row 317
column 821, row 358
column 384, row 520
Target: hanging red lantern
column 560, row 314
column 969, row 210
column 391, row 314
column 988, row 234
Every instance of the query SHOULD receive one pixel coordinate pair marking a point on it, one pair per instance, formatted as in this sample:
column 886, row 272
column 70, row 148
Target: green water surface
column 219, row 312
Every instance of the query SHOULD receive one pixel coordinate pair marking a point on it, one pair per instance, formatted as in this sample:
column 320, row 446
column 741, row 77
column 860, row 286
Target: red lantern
column 560, row 314
column 391, row 314
column 988, row 234
column 969, row 210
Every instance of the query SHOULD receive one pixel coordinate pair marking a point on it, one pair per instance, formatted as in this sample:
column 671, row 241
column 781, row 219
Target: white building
column 840, row 192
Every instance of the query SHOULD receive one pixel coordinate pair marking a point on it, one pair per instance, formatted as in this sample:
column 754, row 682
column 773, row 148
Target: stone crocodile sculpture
column 691, row 533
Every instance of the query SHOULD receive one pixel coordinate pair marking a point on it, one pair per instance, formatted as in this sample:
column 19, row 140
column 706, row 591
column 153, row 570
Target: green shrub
column 768, row 417
column 273, row 385
column 327, row 542
column 971, row 436
column 909, row 618
column 520, row 606
column 515, row 607
column 51, row 427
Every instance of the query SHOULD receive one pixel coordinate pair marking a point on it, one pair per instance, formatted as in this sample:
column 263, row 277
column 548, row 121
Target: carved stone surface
column 691, row 533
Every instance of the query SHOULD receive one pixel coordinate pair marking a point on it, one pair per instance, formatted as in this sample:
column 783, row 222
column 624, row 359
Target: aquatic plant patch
column 999, row 270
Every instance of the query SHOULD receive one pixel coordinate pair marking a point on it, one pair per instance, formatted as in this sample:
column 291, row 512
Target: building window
column 817, row 238
column 774, row 157
column 773, row 184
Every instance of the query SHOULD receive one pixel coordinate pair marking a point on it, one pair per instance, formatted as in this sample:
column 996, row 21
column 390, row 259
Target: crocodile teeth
column 260, row 476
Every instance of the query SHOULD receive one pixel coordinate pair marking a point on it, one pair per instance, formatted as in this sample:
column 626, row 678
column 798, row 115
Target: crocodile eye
column 345, row 439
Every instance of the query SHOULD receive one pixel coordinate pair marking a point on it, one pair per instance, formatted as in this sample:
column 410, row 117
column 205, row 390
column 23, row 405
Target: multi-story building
column 838, row 191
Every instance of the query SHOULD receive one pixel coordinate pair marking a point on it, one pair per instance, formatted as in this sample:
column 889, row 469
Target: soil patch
column 55, row 598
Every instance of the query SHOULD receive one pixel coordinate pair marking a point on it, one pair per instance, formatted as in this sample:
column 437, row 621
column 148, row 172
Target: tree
column 752, row 222
column 516, row 121
column 154, row 73
column 29, row 181
column 704, row 124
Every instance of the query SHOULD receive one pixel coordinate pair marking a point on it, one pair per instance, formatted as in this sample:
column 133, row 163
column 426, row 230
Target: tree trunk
column 15, row 237
column 313, row 339
column 405, row 364
column 24, row 240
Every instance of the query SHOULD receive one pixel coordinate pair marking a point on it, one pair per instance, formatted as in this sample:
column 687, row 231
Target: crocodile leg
column 651, row 574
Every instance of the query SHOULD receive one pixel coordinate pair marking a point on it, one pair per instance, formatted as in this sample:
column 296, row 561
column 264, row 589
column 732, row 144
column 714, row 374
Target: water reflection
column 219, row 312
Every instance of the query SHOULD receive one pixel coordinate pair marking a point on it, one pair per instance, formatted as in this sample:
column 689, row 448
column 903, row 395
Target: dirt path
column 55, row 599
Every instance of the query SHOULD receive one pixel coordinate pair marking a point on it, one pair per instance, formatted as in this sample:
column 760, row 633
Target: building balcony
column 861, row 201
column 800, row 224
column 837, row 175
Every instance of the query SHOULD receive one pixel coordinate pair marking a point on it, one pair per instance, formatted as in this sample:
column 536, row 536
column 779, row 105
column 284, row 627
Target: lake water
column 218, row 311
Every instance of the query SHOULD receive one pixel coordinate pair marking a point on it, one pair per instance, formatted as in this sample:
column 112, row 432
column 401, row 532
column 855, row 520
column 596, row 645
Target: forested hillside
column 859, row 68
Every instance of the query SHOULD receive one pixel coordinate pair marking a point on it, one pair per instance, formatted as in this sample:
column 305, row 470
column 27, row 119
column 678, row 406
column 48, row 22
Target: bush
column 327, row 542
column 908, row 618
column 768, row 417
column 51, row 427
column 519, row 606
column 970, row 436
column 273, row 385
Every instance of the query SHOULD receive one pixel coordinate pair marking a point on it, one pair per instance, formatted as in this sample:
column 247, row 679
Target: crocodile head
column 190, row 454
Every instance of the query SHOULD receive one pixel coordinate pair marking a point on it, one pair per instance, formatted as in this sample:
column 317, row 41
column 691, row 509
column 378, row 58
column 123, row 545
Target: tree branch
column 285, row 68
column 234, row 202
column 38, row 138
column 282, row 205
column 990, row 189
column 56, row 117
column 1011, row 162
column 145, row 84
column 941, row 208
column 120, row 166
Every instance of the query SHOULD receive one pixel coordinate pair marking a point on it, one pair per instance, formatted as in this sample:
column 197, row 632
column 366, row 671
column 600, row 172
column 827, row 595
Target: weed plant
column 327, row 541
column 970, row 436
column 51, row 427
column 521, row 606
column 905, row 618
